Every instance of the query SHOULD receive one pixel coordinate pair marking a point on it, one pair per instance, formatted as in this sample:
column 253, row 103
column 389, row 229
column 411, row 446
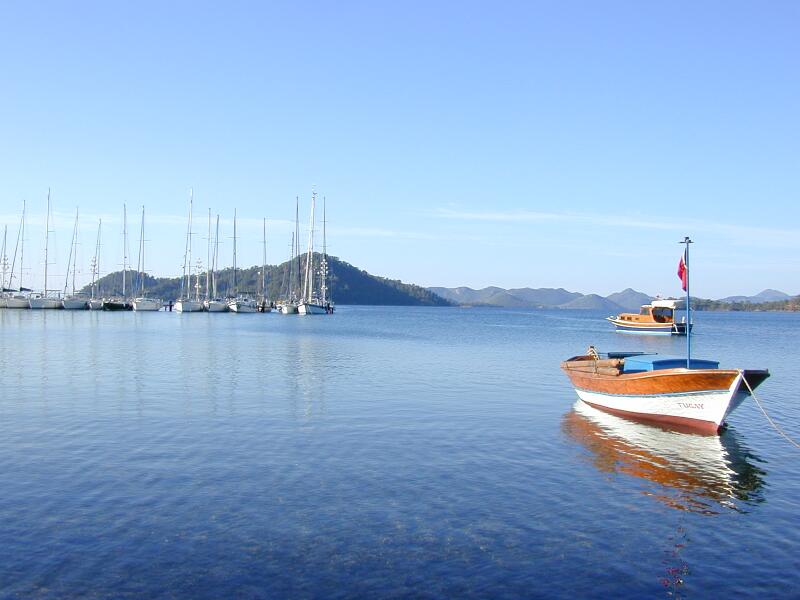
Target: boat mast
column 324, row 253
column 72, row 257
column 21, row 248
column 308, row 289
column 124, row 247
column 96, row 260
column 208, row 264
column 687, row 241
column 4, row 259
column 46, row 241
column 216, row 258
column 234, row 254
column 296, row 247
column 140, row 266
column 189, row 247
column 264, row 264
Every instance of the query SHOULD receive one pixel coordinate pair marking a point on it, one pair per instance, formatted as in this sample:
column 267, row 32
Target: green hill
column 348, row 284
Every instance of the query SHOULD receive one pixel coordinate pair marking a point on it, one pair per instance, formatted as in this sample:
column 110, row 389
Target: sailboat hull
column 307, row 308
column 95, row 304
column 75, row 304
column 287, row 309
column 215, row 306
column 187, row 306
column 147, row 304
column 45, row 303
column 117, row 305
column 243, row 306
column 17, row 302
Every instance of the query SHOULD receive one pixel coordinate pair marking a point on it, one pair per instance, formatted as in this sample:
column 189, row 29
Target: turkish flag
column 683, row 272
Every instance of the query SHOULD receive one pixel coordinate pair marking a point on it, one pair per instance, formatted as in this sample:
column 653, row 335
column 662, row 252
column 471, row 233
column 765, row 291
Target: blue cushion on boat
column 654, row 362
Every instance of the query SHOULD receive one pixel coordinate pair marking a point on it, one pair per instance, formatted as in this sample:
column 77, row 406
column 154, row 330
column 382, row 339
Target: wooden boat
column 661, row 389
column 656, row 318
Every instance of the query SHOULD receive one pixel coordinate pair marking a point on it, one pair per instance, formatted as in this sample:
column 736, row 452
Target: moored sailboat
column 143, row 303
column 185, row 303
column 121, row 303
column 43, row 300
column 213, row 303
column 312, row 303
column 73, row 301
column 239, row 303
column 95, row 302
column 20, row 297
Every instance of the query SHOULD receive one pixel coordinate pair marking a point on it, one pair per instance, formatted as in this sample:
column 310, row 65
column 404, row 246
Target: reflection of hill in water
column 692, row 472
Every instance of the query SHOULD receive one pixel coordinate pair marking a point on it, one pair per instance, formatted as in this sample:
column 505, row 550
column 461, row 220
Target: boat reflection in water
column 695, row 473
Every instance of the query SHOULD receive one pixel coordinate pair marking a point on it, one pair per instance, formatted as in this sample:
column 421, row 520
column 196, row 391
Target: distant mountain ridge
column 628, row 300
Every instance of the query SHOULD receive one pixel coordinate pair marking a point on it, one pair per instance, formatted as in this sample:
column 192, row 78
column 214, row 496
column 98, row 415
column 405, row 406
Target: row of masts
column 315, row 297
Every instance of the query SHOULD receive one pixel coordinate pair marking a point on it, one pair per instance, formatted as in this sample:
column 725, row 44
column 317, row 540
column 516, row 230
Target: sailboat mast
column 208, row 264
column 72, row 257
column 324, row 252
column 264, row 263
column 296, row 248
column 140, row 266
column 189, row 246
column 96, row 261
column 74, row 252
column 124, row 247
column 22, row 248
column 234, row 254
column 4, row 259
column 216, row 258
column 308, row 289
column 46, row 240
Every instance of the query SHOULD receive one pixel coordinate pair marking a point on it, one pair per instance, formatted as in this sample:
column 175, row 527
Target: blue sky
column 537, row 144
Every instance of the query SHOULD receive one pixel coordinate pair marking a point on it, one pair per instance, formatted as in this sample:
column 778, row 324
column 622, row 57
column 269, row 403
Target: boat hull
column 75, row 304
column 307, row 308
column 117, row 305
column 696, row 399
column 17, row 302
column 215, row 306
column 95, row 304
column 187, row 306
column 147, row 304
column 45, row 303
column 648, row 328
column 242, row 306
column 287, row 309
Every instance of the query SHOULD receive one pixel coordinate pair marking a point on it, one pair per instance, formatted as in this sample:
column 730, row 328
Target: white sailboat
column 185, row 303
column 73, row 301
column 19, row 298
column 239, row 303
column 43, row 300
column 143, row 303
column 121, row 302
column 288, row 306
column 264, row 305
column 213, row 303
column 311, row 303
column 96, row 303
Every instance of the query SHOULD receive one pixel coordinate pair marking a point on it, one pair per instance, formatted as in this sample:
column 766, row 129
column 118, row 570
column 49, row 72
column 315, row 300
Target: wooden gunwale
column 663, row 381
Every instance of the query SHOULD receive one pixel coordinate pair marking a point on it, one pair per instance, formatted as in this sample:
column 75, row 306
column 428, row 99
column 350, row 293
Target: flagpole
column 688, row 241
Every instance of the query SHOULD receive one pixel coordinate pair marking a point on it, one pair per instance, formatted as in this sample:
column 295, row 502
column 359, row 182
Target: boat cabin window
column 662, row 315
column 645, row 310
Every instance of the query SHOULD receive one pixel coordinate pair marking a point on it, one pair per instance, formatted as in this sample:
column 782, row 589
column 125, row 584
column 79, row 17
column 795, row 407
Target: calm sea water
column 381, row 452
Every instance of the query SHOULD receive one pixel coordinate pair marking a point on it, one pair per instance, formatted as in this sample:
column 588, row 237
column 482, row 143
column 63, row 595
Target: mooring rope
column 773, row 423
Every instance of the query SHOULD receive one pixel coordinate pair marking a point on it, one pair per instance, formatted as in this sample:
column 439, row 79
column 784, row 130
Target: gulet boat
column 656, row 318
